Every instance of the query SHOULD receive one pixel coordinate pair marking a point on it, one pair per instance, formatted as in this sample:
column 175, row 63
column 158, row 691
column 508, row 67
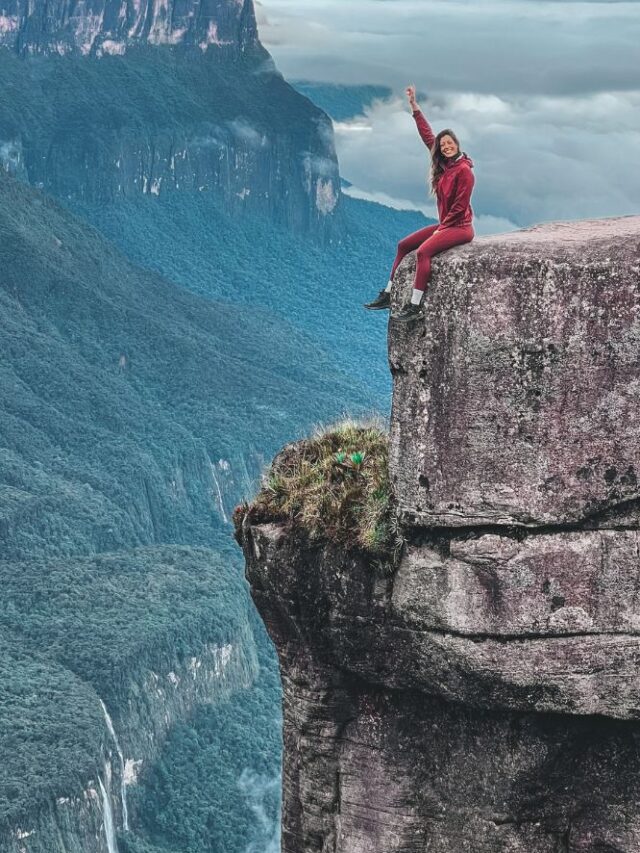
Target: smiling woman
column 452, row 183
column 555, row 78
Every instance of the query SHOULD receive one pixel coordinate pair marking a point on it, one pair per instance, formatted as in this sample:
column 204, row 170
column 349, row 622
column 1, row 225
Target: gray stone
column 485, row 696
column 403, row 737
column 547, row 584
column 517, row 397
column 582, row 657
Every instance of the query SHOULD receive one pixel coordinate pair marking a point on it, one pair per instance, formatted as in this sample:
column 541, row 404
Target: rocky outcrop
column 485, row 695
column 517, row 400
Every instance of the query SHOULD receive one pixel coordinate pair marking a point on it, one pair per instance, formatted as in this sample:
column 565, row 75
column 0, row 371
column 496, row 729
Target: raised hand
column 411, row 94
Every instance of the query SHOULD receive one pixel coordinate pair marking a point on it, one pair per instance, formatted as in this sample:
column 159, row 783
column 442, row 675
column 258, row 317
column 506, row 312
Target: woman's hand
column 411, row 94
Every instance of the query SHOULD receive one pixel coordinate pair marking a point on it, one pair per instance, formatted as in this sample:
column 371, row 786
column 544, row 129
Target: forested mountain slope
column 134, row 414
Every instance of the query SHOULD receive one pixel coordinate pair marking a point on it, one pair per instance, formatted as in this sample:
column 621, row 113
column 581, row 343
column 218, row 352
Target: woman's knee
column 424, row 253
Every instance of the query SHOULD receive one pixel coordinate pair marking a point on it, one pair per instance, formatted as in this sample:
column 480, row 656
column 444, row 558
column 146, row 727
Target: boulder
column 517, row 393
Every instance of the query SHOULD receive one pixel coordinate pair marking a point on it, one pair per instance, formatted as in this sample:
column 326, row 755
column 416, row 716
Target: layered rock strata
column 99, row 27
column 484, row 696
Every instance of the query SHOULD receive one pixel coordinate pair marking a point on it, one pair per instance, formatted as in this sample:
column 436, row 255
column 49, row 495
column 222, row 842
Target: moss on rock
column 333, row 486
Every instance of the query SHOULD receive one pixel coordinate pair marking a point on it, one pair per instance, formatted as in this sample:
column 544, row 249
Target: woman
column 452, row 183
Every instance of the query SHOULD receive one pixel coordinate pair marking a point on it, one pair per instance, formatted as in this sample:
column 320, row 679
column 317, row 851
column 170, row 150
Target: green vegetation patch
column 333, row 486
column 104, row 617
column 51, row 729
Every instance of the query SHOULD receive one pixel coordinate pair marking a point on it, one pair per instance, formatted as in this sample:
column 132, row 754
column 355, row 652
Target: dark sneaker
column 408, row 313
column 382, row 300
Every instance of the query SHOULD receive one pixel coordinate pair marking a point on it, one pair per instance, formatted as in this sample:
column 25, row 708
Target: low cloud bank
column 535, row 160
column 544, row 96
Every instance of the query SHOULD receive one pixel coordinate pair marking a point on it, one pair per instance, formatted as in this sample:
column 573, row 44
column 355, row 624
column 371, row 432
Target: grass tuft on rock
column 334, row 486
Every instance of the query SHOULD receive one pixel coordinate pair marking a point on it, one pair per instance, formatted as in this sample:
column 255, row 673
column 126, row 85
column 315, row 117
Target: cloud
column 544, row 95
column 319, row 166
column 493, row 46
column 243, row 130
column 260, row 792
column 536, row 159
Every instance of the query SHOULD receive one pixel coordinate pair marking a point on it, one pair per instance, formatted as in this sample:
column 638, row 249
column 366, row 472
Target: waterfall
column 123, row 786
column 219, row 490
column 107, row 811
column 256, row 789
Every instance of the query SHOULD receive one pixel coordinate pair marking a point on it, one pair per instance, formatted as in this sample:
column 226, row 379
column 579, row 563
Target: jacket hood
column 452, row 164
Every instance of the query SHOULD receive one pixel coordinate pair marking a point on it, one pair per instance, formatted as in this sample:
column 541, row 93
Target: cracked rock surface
column 485, row 696
column 516, row 398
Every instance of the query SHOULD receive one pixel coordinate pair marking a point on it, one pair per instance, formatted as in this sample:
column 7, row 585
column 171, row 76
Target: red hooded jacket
column 455, row 186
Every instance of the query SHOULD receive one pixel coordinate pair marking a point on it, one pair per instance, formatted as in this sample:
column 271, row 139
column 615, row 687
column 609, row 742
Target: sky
column 543, row 94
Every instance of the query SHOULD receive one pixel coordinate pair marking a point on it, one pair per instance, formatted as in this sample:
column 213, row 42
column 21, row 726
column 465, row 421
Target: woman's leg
column 410, row 244
column 433, row 245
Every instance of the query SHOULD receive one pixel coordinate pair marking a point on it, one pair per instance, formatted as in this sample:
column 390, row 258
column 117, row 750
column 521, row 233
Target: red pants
column 428, row 244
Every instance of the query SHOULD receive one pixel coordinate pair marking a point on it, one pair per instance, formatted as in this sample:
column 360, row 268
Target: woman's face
column 447, row 146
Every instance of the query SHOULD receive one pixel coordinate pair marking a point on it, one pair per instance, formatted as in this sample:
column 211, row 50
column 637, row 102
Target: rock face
column 517, row 400
column 105, row 100
column 485, row 696
column 98, row 27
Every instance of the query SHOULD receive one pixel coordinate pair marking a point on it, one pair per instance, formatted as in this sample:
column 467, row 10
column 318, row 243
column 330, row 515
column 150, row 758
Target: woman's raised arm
column 424, row 128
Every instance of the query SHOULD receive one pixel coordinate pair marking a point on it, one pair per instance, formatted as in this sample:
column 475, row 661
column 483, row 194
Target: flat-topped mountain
column 111, row 99
column 98, row 27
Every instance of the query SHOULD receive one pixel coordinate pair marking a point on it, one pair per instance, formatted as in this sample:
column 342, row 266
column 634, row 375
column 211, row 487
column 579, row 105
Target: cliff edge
column 479, row 690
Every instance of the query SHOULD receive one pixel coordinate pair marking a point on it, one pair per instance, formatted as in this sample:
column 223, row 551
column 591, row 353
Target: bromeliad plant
column 334, row 485
column 353, row 460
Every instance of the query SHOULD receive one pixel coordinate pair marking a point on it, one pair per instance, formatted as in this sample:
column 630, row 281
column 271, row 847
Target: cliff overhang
column 484, row 694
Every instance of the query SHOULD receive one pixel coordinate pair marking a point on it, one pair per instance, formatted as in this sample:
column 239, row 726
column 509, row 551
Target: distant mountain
column 110, row 99
column 342, row 102
column 103, row 27
column 147, row 370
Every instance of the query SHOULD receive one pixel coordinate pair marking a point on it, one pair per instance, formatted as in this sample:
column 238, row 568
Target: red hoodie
column 455, row 186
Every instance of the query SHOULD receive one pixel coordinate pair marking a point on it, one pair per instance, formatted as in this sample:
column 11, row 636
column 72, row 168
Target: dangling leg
column 406, row 245
column 438, row 242
column 410, row 244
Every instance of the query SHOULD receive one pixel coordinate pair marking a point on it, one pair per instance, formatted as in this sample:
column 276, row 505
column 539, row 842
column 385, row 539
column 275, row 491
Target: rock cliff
column 88, row 695
column 91, row 816
column 106, row 100
column 485, row 694
column 102, row 27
